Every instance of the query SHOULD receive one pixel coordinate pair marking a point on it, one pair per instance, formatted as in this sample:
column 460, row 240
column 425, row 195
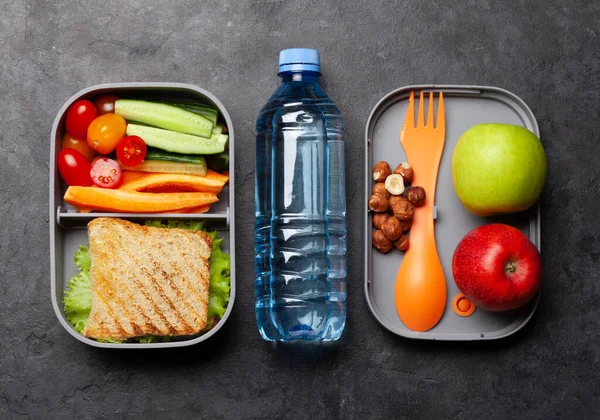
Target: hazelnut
column 395, row 199
column 405, row 224
column 416, row 195
column 378, row 203
column 394, row 184
column 402, row 243
column 380, row 218
column 404, row 210
column 379, row 188
column 391, row 228
column 406, row 171
column 380, row 242
column 381, row 171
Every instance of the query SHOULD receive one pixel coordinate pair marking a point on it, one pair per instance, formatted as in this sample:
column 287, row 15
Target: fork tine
column 410, row 113
column 441, row 117
column 421, row 116
column 430, row 111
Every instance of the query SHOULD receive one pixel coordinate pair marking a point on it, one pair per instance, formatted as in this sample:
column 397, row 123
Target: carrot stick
column 154, row 181
column 135, row 202
column 215, row 175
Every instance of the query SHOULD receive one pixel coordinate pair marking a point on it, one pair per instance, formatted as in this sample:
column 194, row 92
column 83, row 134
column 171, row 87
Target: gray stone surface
column 547, row 52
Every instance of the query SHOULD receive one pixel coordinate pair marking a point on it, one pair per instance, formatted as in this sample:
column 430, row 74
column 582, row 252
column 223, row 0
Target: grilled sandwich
column 147, row 280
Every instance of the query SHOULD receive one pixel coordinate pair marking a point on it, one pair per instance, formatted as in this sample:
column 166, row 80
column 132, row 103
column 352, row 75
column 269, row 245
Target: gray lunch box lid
column 67, row 228
column 464, row 107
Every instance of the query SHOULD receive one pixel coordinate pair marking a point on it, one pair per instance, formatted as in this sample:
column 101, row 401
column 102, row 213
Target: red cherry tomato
column 79, row 117
column 105, row 104
column 131, row 150
column 74, row 168
column 106, row 173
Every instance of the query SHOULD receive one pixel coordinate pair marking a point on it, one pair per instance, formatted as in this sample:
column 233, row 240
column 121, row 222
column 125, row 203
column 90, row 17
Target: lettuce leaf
column 83, row 262
column 78, row 294
column 78, row 298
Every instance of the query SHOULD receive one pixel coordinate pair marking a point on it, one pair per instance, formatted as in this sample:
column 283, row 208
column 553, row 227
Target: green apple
column 498, row 168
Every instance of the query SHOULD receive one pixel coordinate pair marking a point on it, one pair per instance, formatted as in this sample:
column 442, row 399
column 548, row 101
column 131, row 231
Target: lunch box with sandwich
column 68, row 226
column 465, row 106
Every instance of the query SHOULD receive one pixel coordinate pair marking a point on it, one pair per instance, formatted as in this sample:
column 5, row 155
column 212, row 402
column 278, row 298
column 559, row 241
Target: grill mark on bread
column 149, row 327
column 175, row 281
column 99, row 291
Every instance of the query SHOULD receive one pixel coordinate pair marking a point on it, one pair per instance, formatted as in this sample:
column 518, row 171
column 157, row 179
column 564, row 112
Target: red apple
column 497, row 267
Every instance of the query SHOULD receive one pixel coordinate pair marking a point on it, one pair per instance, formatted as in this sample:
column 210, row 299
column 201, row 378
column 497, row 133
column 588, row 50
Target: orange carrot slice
column 135, row 202
column 215, row 175
column 151, row 182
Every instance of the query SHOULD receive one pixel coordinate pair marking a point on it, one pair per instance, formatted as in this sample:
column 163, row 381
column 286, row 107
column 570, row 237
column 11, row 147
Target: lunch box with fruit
column 68, row 224
column 465, row 106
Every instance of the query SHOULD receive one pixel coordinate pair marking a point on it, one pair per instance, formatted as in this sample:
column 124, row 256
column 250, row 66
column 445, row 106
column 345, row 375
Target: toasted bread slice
column 147, row 280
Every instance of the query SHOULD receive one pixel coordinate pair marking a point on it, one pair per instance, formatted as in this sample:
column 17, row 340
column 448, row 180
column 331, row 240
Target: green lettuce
column 78, row 294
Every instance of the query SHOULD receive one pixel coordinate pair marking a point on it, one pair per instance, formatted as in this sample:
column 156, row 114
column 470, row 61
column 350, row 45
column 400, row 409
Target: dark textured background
column 547, row 52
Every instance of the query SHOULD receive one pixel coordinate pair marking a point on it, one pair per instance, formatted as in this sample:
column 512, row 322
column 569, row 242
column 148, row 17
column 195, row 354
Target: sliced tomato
column 106, row 173
column 131, row 150
column 70, row 142
column 74, row 168
column 105, row 104
column 79, row 117
column 105, row 131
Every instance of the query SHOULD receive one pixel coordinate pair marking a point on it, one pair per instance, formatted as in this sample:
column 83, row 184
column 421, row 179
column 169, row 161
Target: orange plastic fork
column 420, row 285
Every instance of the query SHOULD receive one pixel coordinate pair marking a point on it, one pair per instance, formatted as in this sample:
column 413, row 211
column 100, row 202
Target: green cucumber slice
column 178, row 142
column 157, row 154
column 207, row 112
column 164, row 116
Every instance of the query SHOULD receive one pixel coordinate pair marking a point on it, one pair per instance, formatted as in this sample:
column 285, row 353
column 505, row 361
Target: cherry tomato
column 105, row 131
column 131, row 150
column 105, row 104
column 74, row 168
column 79, row 117
column 106, row 173
column 70, row 142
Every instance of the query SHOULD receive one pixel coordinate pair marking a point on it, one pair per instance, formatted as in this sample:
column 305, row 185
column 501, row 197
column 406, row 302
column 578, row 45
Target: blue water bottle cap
column 298, row 59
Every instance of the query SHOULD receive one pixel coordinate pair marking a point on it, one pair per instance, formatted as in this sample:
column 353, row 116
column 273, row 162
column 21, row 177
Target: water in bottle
column 300, row 226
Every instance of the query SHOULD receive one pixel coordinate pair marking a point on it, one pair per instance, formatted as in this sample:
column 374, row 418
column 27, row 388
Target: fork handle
column 420, row 293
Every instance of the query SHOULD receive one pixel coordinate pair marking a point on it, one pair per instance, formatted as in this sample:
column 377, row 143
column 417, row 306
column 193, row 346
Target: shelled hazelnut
column 378, row 203
column 406, row 171
column 379, row 219
column 402, row 243
column 381, row 171
column 380, row 242
column 394, row 184
column 403, row 210
column 416, row 195
column 395, row 199
column 391, row 228
column 379, row 188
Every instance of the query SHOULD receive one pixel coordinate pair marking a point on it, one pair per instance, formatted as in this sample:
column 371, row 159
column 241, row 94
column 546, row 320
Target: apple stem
column 510, row 267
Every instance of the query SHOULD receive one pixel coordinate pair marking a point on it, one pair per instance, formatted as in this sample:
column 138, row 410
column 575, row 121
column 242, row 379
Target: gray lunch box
column 465, row 106
column 68, row 228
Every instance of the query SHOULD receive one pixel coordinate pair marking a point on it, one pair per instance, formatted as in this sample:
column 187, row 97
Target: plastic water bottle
column 300, row 228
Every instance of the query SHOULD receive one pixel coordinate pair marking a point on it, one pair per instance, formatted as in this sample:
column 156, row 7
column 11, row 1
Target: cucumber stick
column 208, row 113
column 157, row 154
column 178, row 142
column 164, row 116
column 169, row 167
